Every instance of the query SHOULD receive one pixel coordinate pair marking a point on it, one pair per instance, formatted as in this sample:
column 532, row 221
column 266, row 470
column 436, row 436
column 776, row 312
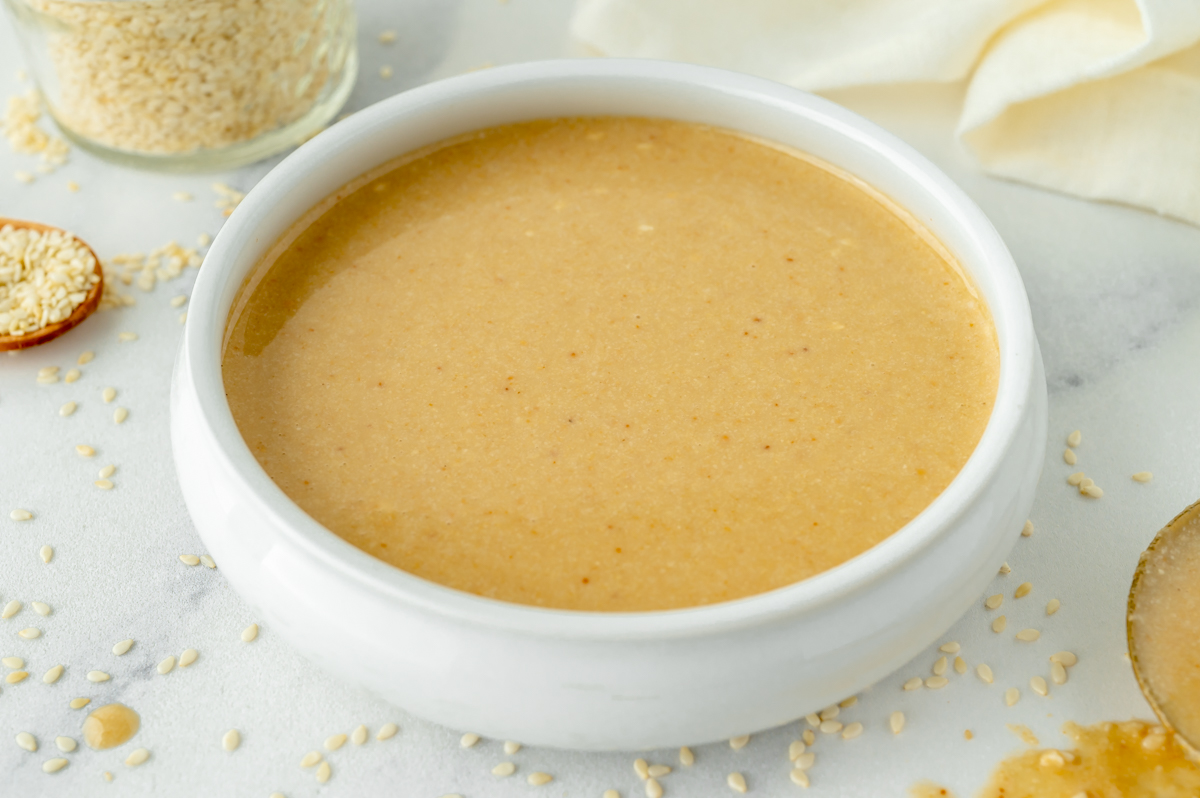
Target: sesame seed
column 950, row 648
column 310, row 759
column 1052, row 759
column 189, row 559
column 84, row 450
column 985, row 673
column 1069, row 457
column 960, row 665
column 1086, row 482
column 48, row 379
column 359, row 735
column 103, row 484
column 20, row 515
column 137, row 757
column 846, row 703
column 207, row 561
column 108, row 394
column 736, row 782
column 1027, row 530
column 107, row 471
column 468, row 740
column 98, row 676
column 805, row 760
column 1028, row 635
column 999, row 624
column 1143, row 476
column 1023, row 590
column 51, row 676
column 11, row 609
column 79, row 703
column 1039, row 686
column 334, row 742
column 66, row 744
column 1011, row 696
column 167, row 665
column 1076, row 478
column 72, row 186
column 183, row 317
column 813, row 719
column 511, row 747
column 204, row 239
column 12, row 662
column 1065, row 657
column 611, row 794
column 46, row 553
column 1052, row 606
column 86, row 357
column 940, row 666
column 385, row 72
column 538, row 778
column 642, row 768
column 26, row 177
column 181, row 196
column 896, row 722
column 54, row 765
column 656, row 771
column 179, row 301
column 796, row 748
column 831, row 726
column 119, row 415
column 653, row 789
column 48, row 371
column 16, row 676
column 914, row 683
column 1074, row 439
column 67, row 409
column 936, row 682
column 686, row 757
column 852, row 731
column 739, row 742
column 1058, row 673
column 109, row 777
column 72, row 376
column 799, row 777
column 324, row 771
column 41, row 608
column 126, row 337
column 30, row 633
column 829, row 713
column 231, row 740
column 809, row 736
column 1093, row 492
column 387, row 37
column 27, row 741
column 250, row 632
column 1005, row 569
column 504, row 769
column 387, row 731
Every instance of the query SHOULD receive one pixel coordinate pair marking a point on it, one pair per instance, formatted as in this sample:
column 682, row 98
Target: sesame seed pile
column 44, row 276
column 174, row 76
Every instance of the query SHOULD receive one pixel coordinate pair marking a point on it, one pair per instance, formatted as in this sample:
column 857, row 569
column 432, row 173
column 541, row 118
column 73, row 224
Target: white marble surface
column 1116, row 300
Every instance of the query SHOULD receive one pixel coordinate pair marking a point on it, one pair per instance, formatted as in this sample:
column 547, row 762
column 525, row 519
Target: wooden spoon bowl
column 81, row 312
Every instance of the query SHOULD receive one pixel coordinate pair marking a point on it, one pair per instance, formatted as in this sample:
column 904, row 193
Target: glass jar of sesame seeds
column 185, row 85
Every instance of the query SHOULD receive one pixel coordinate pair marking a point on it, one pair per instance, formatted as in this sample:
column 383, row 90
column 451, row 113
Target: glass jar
column 186, row 85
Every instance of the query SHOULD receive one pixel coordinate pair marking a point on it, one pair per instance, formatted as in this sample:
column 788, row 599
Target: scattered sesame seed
column 846, row 703
column 736, row 782
column 85, row 451
column 611, row 794
column 1024, row 732
column 1005, row 569
column 1052, row 606
column 940, row 666
column 167, row 665
column 72, row 376
column 936, row 682
column 79, row 703
column 181, row 196
column 985, row 673
column 137, row 757
column 1023, row 590
column 896, row 722
column 324, row 771
column 829, row 713
column 511, row 747
column 119, row 415
column 813, row 719
column 67, row 409
column 20, row 515
column 805, row 760
column 24, row 177
column 950, row 648
column 739, row 742
column 385, row 72
column 999, row 624
column 16, row 676
column 183, row 317
column 538, row 778
column 1011, row 696
column 1052, row 759
column 1086, row 482
column 1093, row 492
column 1076, row 478
column 310, row 759
column 831, row 726
column 204, row 239
column 1058, row 673
column 1027, row 530
column 47, row 379
column 98, row 676
column 656, row 771
column 189, row 559
column 250, row 632
column 108, row 394
column 1069, row 457
column 126, row 337
column 12, row 662
column 914, row 683
column 27, row 741
column 468, row 740
column 1065, row 657
column 179, row 301
column 72, row 186
column 387, row 731
column 231, row 740
column 642, row 768
column 686, row 757
column 47, row 554
column 960, row 665
column 207, row 561
column 852, row 731
column 122, row 647
column 1028, row 635
column 54, row 765
column 504, row 769
column 359, row 735
column 387, row 37
column 809, row 736
column 1039, row 686
column 86, row 357
column 796, row 748
column 103, row 484
column 30, row 633
column 11, row 609
column 799, row 777
column 107, row 471
column 1143, row 476
column 66, row 744
column 51, row 676
column 40, row 607
column 334, row 742
column 1074, row 439
column 653, row 789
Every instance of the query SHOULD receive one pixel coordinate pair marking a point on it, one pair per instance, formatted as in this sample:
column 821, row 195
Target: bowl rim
column 204, row 334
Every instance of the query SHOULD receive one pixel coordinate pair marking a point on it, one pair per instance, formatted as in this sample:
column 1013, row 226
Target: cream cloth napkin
column 1097, row 98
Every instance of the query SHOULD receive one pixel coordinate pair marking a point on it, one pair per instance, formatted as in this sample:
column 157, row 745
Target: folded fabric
column 1097, row 98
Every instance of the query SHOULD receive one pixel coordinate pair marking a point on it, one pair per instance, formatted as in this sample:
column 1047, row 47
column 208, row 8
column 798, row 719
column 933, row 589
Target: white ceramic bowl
column 605, row 680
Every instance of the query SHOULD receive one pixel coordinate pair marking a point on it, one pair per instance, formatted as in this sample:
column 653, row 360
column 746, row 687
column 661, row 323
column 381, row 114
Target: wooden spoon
column 81, row 312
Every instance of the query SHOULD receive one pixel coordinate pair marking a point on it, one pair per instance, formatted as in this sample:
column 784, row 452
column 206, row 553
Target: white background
column 1116, row 301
